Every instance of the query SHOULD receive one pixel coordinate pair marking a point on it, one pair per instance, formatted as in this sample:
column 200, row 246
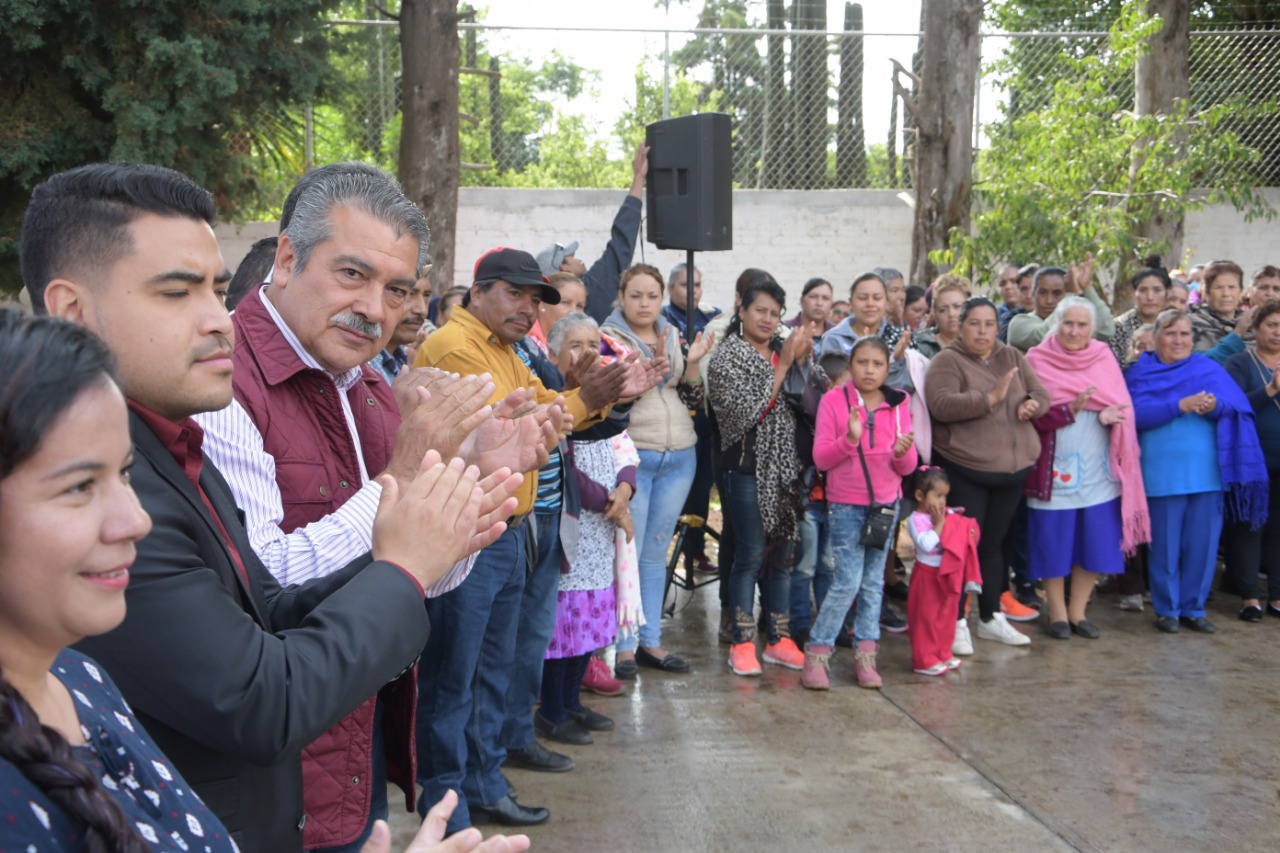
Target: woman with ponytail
column 77, row 771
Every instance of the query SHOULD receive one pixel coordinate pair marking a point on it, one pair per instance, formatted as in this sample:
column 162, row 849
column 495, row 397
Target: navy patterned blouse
column 156, row 800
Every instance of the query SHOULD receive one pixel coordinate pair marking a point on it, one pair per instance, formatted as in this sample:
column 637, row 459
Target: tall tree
column 810, row 82
column 431, row 53
column 1161, row 82
column 851, row 137
column 185, row 85
column 943, row 114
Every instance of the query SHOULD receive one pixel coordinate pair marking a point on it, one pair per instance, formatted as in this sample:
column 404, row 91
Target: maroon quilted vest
column 297, row 410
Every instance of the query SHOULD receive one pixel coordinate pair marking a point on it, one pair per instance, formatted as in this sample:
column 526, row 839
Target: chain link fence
column 812, row 110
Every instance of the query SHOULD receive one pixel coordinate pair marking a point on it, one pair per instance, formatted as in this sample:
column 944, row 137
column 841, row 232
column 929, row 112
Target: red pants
column 932, row 604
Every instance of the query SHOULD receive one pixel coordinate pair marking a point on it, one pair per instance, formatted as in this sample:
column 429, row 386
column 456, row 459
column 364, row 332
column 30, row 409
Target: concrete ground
column 1135, row 741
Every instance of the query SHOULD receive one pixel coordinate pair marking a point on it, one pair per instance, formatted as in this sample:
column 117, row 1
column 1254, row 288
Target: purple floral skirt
column 586, row 620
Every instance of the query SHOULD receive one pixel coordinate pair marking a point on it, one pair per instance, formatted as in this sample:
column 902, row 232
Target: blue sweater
column 1266, row 410
column 1179, row 451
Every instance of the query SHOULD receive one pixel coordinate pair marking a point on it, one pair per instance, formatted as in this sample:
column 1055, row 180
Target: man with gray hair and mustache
column 311, row 425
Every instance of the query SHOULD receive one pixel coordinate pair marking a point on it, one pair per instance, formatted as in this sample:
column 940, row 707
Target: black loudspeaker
column 689, row 193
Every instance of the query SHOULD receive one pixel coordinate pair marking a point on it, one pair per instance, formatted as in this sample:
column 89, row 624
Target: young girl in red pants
column 946, row 562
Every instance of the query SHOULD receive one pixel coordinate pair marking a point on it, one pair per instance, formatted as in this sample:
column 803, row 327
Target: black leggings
column 1251, row 550
column 561, row 686
column 992, row 501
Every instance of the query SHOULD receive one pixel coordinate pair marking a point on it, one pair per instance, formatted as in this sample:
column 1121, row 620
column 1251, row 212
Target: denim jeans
column 662, row 484
column 859, row 574
column 753, row 560
column 533, row 635
column 377, row 796
column 699, row 500
column 463, row 679
column 815, row 567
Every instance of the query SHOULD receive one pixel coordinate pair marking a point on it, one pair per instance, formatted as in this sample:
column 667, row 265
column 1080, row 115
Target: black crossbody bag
column 878, row 527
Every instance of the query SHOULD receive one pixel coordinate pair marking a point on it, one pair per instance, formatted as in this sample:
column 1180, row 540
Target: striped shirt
column 234, row 445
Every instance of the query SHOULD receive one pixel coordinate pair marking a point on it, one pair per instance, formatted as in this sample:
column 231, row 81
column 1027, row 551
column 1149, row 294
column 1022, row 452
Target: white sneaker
column 1132, row 603
column 1000, row 630
column 963, row 643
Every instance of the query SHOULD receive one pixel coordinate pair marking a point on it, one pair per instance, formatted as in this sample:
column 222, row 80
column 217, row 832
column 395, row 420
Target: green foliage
column 173, row 83
column 1083, row 172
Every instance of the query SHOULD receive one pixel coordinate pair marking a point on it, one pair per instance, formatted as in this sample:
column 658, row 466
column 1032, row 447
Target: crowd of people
column 258, row 563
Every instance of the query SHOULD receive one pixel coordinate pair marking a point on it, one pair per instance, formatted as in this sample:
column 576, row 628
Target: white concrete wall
column 794, row 235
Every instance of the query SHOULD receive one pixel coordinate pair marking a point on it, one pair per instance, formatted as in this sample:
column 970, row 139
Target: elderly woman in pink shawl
column 1085, row 497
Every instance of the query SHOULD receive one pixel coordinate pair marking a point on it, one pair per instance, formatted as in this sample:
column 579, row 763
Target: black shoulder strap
column 871, row 492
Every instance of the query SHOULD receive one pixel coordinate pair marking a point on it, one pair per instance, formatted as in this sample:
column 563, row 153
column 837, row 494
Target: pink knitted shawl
column 1065, row 375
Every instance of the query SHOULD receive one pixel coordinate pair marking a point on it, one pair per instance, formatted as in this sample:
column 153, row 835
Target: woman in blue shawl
column 1198, row 439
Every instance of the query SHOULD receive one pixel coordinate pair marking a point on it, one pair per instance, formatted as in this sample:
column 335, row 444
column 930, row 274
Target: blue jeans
column 662, row 484
column 377, row 796
column 859, row 574
column 815, row 568
column 533, row 635
column 463, row 679
column 752, row 560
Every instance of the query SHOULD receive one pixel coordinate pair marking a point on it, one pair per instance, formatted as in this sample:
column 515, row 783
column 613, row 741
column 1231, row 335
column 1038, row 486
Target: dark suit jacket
column 231, row 679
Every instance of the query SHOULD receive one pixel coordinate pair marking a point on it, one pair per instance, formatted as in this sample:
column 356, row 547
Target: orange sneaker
column 1015, row 611
column 742, row 658
column 784, row 653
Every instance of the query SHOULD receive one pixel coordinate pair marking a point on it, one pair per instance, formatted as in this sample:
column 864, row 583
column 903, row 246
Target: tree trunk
column 851, row 140
column 1161, row 79
column 943, row 115
column 431, row 52
column 810, row 85
column 775, row 151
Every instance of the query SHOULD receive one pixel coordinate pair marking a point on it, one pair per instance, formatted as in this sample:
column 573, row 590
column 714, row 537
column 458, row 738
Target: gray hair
column 1068, row 302
column 1167, row 318
column 677, row 271
column 566, row 324
column 888, row 274
column 375, row 193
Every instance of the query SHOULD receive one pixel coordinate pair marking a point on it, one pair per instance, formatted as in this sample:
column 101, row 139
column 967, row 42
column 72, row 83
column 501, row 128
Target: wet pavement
column 1135, row 741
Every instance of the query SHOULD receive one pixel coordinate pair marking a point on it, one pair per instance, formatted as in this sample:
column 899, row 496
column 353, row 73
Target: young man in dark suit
column 230, row 673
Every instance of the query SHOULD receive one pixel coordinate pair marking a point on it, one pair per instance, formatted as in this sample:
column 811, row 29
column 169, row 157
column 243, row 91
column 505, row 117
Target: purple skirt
column 586, row 620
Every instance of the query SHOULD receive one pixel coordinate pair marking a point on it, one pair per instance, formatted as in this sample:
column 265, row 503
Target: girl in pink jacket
column 865, row 445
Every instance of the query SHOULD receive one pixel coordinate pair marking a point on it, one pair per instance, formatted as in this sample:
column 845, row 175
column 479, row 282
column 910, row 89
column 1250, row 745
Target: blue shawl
column 1240, row 460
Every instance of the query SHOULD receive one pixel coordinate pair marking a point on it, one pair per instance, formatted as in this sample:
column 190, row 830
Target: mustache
column 355, row 322
column 519, row 321
column 220, row 346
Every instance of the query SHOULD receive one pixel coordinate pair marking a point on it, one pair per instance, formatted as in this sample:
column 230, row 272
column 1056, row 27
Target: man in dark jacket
column 602, row 279
column 231, row 673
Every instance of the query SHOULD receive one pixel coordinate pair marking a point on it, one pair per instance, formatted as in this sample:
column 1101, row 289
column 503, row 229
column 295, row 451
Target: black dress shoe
column 539, row 758
column 1058, row 630
column 1251, row 614
column 592, row 721
column 508, row 812
column 1199, row 624
column 625, row 669
column 1167, row 624
column 569, row 731
column 1085, row 629
column 511, row 789
column 1272, row 610
column 670, row 663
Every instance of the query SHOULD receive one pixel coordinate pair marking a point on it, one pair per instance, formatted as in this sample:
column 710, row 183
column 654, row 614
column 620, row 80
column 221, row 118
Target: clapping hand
column 1112, row 415
column 701, row 345
column 430, row 837
column 1078, row 404
column 1081, row 277
column 1028, row 409
column 1200, row 404
column 903, row 444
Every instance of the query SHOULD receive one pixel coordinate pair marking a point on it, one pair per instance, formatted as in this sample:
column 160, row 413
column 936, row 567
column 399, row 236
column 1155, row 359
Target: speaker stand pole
column 689, row 303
